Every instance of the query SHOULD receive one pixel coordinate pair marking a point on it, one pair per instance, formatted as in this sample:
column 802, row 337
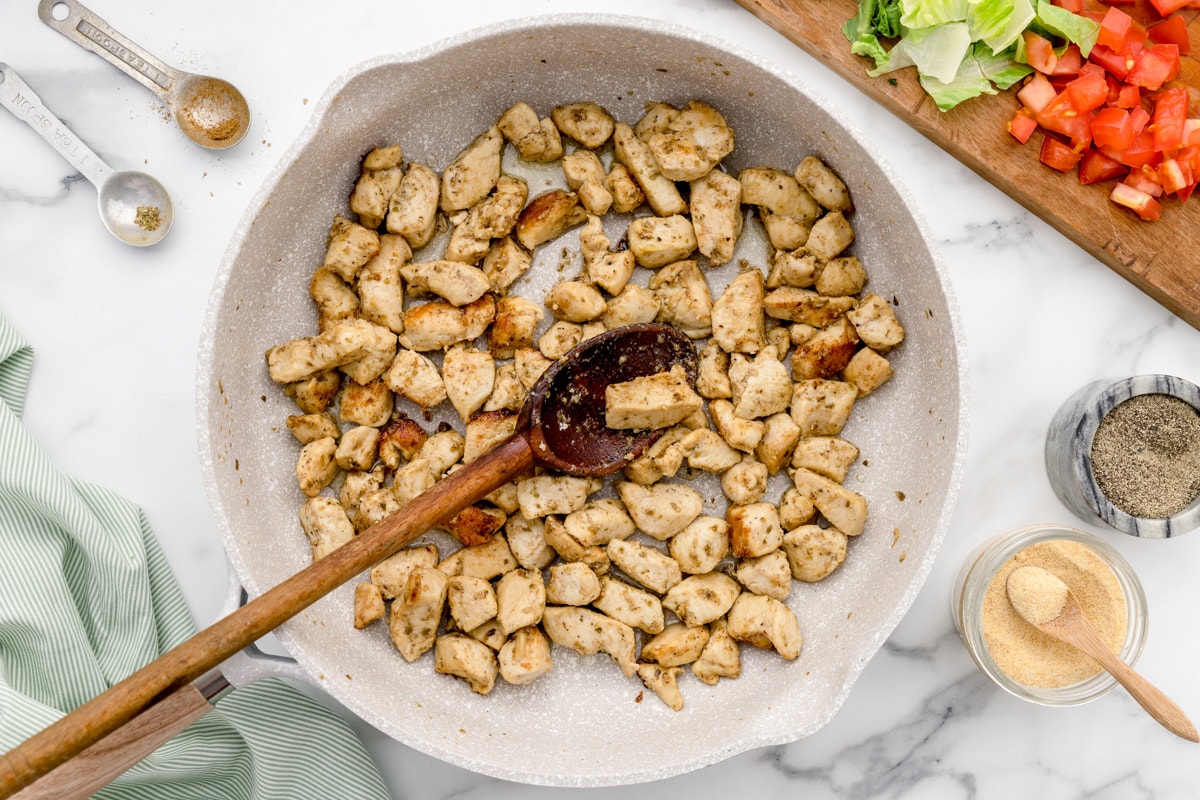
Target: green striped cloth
column 86, row 597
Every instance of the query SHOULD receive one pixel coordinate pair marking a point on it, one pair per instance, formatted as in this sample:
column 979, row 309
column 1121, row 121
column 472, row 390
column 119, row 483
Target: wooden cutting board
column 1162, row 258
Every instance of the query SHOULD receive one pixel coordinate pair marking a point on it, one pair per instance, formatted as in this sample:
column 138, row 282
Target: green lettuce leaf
column 928, row 13
column 998, row 23
column 1072, row 27
column 937, row 52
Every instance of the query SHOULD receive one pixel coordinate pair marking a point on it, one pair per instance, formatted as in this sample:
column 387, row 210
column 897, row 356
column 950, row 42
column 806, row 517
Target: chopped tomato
column 1143, row 204
column 1061, row 117
column 1087, row 92
column 1058, row 155
column 1140, row 117
column 1115, row 61
column 1069, row 62
column 1173, row 175
column 1154, row 66
column 1144, row 180
column 1112, row 128
column 1170, row 112
column 1167, row 7
column 1096, row 167
column 1039, row 52
column 1022, row 126
column 1141, row 153
column 1114, row 29
column 1037, row 92
column 1074, row 6
column 1172, row 30
column 1129, row 97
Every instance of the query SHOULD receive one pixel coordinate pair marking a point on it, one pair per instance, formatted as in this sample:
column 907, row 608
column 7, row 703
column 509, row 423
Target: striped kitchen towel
column 87, row 597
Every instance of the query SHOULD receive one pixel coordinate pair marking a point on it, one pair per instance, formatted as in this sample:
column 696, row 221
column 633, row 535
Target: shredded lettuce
column 1072, row 27
column 937, row 51
column 927, row 13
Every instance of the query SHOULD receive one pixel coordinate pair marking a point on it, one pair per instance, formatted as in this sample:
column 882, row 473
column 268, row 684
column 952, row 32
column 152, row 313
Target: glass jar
column 976, row 575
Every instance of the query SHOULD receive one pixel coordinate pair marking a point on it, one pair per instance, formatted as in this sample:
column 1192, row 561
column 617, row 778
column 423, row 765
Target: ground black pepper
column 1146, row 455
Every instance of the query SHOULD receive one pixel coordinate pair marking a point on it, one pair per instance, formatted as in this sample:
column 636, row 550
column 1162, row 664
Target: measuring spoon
column 133, row 206
column 211, row 112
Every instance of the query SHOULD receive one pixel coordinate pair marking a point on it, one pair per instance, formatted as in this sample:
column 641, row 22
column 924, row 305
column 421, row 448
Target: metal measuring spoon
column 133, row 206
column 211, row 112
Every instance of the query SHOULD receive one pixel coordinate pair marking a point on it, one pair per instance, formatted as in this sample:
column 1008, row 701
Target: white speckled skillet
column 584, row 724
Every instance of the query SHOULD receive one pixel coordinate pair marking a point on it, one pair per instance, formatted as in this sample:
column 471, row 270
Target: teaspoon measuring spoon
column 133, row 205
column 211, row 112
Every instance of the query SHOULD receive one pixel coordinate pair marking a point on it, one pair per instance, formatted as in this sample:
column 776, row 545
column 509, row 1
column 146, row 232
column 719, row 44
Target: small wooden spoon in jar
column 1048, row 604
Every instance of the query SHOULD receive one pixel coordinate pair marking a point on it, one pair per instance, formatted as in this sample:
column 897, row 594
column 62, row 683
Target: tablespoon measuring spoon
column 133, row 205
column 211, row 112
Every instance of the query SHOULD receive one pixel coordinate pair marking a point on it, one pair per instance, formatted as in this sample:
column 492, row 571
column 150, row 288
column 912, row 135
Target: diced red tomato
column 1095, row 167
column 1069, row 62
column 1141, row 203
column 1140, row 118
column 1112, row 128
column 1141, row 153
column 1059, row 155
column 1172, row 30
column 1154, row 66
column 1191, row 131
column 1074, row 6
column 1144, row 180
column 1173, row 176
column 1022, row 126
column 1114, row 29
column 1087, row 92
column 1170, row 112
column 1186, row 192
column 1129, row 97
column 1167, row 7
column 1114, row 61
column 1120, row 2
column 1039, row 52
column 1037, row 92
column 1061, row 117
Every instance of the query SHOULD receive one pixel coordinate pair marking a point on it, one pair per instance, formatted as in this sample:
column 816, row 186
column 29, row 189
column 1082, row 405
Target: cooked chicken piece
column 489, row 560
column 314, row 394
column 799, row 333
column 585, row 176
column 765, row 622
column 845, row 509
column 700, row 546
column 740, row 434
column 662, row 510
column 586, row 123
column 474, row 172
column 316, row 467
column 442, row 450
column 349, row 247
column 660, row 191
column 513, row 327
column 701, row 599
column 632, row 306
column 652, row 568
column 575, row 301
column 692, row 143
column 716, row 207
column 472, row 601
column 368, row 605
column 821, row 407
column 548, row 216
column 458, row 284
column 559, row 338
column 806, row 306
column 378, row 181
column 875, row 321
column 504, row 263
column 437, row 325
column 825, row 353
column 706, row 450
column 746, row 481
column 391, row 574
column 469, row 375
column 543, row 495
column 610, row 271
column 333, row 297
column 476, row 524
column 369, row 404
column 587, row 632
column 530, row 364
column 381, row 349
column 823, row 184
column 626, row 193
column 489, row 633
column 720, row 658
column 490, row 218
column 417, row 612
column 356, row 449
column 485, row 430
column 814, row 552
column 663, row 681
column 678, row 644
column 737, row 319
column 412, row 479
column 504, row 498
column 310, row 427
column 779, row 440
column 508, row 394
column 650, row 402
column 572, row 584
column 831, row 234
column 787, row 210
column 655, row 119
column 535, row 139
column 712, row 379
column 843, row 276
column 521, row 598
column 374, row 507
column 412, row 210
column 631, row 605
column 525, row 657
column 754, row 529
column 795, row 509
column 326, row 525
column 670, row 451
column 830, row 456
column 599, row 522
column 414, row 376
column 464, row 657
column 527, row 541
column 767, row 574
column 571, row 550
column 342, row 343
column 794, row 268
column 763, row 388
column 380, row 287
column 658, row 241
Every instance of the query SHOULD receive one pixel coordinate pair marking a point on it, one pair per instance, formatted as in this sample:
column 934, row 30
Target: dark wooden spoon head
column 563, row 418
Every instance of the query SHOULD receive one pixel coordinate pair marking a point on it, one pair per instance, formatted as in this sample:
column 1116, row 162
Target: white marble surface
column 115, row 332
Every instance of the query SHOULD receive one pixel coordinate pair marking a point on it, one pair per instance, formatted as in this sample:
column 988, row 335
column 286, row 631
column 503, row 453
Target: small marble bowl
column 970, row 590
column 1069, row 454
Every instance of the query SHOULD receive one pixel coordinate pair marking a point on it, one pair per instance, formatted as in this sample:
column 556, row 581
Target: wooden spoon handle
column 116, row 706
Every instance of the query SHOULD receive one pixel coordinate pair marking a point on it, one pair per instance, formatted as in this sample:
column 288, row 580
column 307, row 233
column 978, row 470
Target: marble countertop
column 115, row 333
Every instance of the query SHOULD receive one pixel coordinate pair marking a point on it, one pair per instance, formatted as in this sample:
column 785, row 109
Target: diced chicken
column 527, row 542
column 823, row 184
column 587, row 123
column 740, row 434
column 472, row 601
column 412, row 480
column 633, row 606
column 334, row 298
column 417, row 612
column 684, row 299
column 513, row 327
column 489, row 560
column 787, row 210
column 692, row 143
column 548, row 216
column 571, row 550
column 574, row 301
column 875, row 321
column 767, row 574
column 457, row 284
column 658, row 241
column 380, row 286
column 651, row 402
column 559, row 338
column 701, row 599
column 349, row 247
column 316, row 467
column 368, row 605
column 543, row 495
column 378, row 181
column 830, row 235
column 779, row 440
column 794, row 268
column 814, row 552
column 804, row 305
column 520, row 598
column 370, row 404
column 830, row 456
column 525, row 657
column 474, row 172
column 340, row 344
column 356, row 449
column 572, row 584
column 310, row 427
column 585, row 176
column 442, row 450
column 845, row 509
column 825, row 353
column 843, row 276
column 652, row 568
column 530, row 363
column 737, row 320
column 716, row 207
column 414, row 376
column 720, row 658
column 822, row 407
column 326, row 525
column 632, row 306
column 765, row 622
column 763, row 388
column 599, row 522
column 315, row 392
column 535, row 139
column 485, row 430
column 746, row 481
column 677, row 645
column 391, row 574
column 505, row 262
column 508, row 394
column 464, row 657
column 476, row 523
column 489, row 634
column 413, row 209
column 706, row 450
column 469, row 375
column 587, row 632
column 663, row 681
column 700, row 546
column 380, row 350
column 795, row 509
column 490, row 218
column 659, row 190
column 662, row 510
column 626, row 193
column 655, row 119
column 712, row 378
column 754, row 529
column 437, row 325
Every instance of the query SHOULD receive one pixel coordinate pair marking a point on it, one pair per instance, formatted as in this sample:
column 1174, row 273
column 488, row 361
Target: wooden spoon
column 1045, row 602
column 560, row 426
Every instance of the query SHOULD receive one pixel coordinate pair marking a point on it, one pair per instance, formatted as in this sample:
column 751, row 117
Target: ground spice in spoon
column 1146, row 455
